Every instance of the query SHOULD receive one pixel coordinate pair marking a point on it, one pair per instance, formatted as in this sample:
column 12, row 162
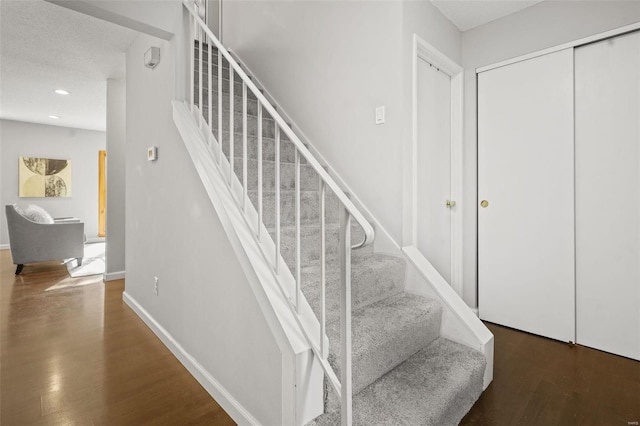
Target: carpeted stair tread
column 435, row 387
column 308, row 176
column 385, row 334
column 252, row 104
column 287, row 149
column 449, row 373
column 373, row 277
column 309, row 207
column 268, row 126
column 310, row 242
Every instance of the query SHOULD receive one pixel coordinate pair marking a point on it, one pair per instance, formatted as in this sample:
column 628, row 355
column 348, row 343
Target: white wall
column 547, row 24
column 20, row 139
column 173, row 233
column 329, row 64
column 116, row 136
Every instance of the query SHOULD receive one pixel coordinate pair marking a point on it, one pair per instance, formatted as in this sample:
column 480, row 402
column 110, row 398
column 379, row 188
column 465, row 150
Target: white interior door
column 607, row 93
column 433, row 231
column 525, row 174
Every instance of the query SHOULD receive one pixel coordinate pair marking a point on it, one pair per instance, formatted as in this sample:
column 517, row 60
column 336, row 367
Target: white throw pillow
column 19, row 209
column 37, row 214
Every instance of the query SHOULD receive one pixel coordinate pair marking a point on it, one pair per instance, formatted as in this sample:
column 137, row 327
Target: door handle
column 450, row 204
column 484, row 204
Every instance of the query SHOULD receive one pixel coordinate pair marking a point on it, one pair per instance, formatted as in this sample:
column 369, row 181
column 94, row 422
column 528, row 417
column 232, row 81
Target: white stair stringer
column 302, row 375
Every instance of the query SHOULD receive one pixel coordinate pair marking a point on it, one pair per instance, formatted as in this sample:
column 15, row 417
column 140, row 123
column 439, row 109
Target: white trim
column 459, row 322
column 92, row 240
column 237, row 412
column 575, row 43
column 111, row 276
column 4, row 247
column 424, row 50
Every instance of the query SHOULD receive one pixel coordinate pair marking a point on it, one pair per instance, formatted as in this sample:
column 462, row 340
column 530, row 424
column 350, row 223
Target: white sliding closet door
column 525, row 174
column 607, row 86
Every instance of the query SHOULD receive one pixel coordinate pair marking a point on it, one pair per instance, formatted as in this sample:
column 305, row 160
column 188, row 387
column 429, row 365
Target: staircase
column 404, row 372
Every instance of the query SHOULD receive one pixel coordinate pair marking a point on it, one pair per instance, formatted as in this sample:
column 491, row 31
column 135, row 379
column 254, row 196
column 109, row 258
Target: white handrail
column 304, row 151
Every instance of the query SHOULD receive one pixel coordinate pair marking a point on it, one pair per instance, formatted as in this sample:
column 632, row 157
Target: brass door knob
column 450, row 204
column 484, row 203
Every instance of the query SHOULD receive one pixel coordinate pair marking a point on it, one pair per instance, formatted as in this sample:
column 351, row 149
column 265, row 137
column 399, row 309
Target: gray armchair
column 39, row 242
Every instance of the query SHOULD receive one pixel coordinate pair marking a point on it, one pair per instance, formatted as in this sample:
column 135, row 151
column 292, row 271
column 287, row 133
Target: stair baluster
column 209, row 88
column 200, row 72
column 277, row 185
column 260, row 206
column 346, row 385
column 231, row 124
column 220, row 108
column 245, row 196
column 297, row 219
column 324, row 349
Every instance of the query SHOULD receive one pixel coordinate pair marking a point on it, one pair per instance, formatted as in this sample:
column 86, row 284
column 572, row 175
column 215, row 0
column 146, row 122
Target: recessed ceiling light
column 61, row 92
column 55, row 117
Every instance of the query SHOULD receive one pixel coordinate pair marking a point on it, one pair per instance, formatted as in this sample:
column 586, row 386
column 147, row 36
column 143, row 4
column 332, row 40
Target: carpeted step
column 385, row 334
column 309, row 207
column 252, row 105
column 287, row 149
column 252, row 116
column 268, row 125
column 373, row 278
column 308, row 176
column 237, row 89
column 205, row 56
column 435, row 387
column 310, row 242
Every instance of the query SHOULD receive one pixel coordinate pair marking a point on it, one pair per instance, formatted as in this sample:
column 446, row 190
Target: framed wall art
column 44, row 177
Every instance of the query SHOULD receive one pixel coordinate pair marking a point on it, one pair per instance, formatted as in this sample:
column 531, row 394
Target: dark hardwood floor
column 538, row 381
column 72, row 353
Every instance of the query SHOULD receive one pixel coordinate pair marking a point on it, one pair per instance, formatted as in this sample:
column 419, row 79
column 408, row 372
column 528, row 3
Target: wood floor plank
column 539, row 381
column 74, row 353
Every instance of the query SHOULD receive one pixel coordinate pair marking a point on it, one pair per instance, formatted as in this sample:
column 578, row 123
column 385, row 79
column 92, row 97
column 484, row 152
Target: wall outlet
column 156, row 286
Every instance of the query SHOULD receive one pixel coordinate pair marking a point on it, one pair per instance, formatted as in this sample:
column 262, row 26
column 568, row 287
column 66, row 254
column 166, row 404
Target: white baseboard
column 237, row 412
column 4, row 247
column 475, row 311
column 92, row 240
column 113, row 276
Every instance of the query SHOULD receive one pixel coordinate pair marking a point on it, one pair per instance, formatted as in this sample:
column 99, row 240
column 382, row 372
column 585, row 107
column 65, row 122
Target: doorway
column 435, row 228
column 102, row 193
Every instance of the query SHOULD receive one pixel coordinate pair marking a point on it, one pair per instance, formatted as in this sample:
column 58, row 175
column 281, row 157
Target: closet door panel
column 607, row 114
column 525, row 172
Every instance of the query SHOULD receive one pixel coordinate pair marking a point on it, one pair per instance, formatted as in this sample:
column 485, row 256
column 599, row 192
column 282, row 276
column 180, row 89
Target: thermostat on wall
column 152, row 153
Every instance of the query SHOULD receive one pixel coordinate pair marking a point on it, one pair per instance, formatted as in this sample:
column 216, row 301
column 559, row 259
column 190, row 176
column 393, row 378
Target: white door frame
column 424, row 50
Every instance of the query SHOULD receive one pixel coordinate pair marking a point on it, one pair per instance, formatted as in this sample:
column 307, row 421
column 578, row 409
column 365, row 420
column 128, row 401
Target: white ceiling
column 468, row 14
column 45, row 47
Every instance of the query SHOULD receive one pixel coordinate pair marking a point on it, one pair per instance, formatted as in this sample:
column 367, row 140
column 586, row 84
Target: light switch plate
column 380, row 115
